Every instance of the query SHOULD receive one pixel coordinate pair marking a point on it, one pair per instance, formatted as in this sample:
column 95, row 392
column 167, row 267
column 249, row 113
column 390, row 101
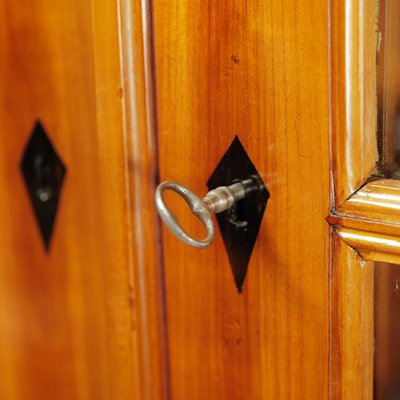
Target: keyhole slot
column 43, row 171
column 237, row 214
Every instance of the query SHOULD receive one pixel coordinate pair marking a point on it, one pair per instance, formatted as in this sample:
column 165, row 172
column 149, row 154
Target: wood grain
column 257, row 70
column 140, row 125
column 66, row 326
column 372, row 246
column 378, row 200
column 353, row 40
column 352, row 335
column 369, row 221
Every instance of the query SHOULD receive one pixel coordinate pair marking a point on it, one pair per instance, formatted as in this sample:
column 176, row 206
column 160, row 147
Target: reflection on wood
column 254, row 69
column 354, row 156
column 67, row 330
column 142, row 173
column 369, row 221
column 353, row 95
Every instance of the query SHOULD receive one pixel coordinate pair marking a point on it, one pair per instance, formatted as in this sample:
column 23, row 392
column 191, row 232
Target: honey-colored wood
column 353, row 160
column 377, row 201
column 67, row 326
column 134, row 90
column 353, row 121
column 140, row 127
column 372, row 246
column 366, row 222
column 352, row 312
column 247, row 68
column 369, row 221
column 353, row 25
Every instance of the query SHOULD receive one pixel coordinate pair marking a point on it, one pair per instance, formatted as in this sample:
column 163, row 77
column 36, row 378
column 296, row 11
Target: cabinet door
column 67, row 327
column 101, row 101
column 297, row 85
column 258, row 71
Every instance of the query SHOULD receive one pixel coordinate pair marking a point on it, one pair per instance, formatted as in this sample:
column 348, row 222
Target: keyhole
column 237, row 214
column 43, row 178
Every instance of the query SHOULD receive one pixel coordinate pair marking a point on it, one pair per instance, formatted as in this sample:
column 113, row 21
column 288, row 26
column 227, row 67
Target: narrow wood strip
column 378, row 200
column 352, row 328
column 372, row 246
column 140, row 125
column 369, row 221
column 353, row 92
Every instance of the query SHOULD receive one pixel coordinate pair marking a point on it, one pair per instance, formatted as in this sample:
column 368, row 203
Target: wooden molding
column 140, row 133
column 352, row 322
column 366, row 228
column 372, row 246
column 353, row 161
column 378, row 201
column 369, row 221
column 353, row 95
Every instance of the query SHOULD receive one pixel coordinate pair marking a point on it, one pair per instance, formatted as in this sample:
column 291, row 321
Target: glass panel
column 388, row 69
column 387, row 332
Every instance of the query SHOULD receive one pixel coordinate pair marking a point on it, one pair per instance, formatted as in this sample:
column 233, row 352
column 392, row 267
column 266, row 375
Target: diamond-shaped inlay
column 240, row 224
column 43, row 172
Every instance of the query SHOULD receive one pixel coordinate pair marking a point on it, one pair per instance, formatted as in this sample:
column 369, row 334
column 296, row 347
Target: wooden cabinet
column 131, row 93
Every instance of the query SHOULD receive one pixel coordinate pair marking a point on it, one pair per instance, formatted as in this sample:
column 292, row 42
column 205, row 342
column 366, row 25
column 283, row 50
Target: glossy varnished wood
column 369, row 221
column 352, row 334
column 90, row 320
column 378, row 200
column 140, row 126
column 247, row 68
column 353, row 41
column 364, row 218
column 67, row 330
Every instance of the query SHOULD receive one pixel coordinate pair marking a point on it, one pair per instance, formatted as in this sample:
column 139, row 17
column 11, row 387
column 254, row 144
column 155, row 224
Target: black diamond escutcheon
column 43, row 173
column 240, row 224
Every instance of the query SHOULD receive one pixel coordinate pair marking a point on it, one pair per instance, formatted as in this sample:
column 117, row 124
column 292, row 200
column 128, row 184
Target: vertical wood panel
column 256, row 69
column 65, row 318
column 352, row 344
column 140, row 124
column 353, row 40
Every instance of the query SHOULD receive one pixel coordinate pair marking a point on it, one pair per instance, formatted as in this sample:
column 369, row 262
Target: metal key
column 216, row 201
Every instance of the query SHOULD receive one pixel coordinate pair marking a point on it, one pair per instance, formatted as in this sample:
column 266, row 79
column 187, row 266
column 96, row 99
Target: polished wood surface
column 67, row 330
column 133, row 91
column 353, row 41
column 369, row 221
column 372, row 246
column 352, row 313
column 140, row 126
column 378, row 200
column 248, row 69
column 364, row 217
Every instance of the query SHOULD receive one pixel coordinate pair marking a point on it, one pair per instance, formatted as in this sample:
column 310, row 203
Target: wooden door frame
column 364, row 221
